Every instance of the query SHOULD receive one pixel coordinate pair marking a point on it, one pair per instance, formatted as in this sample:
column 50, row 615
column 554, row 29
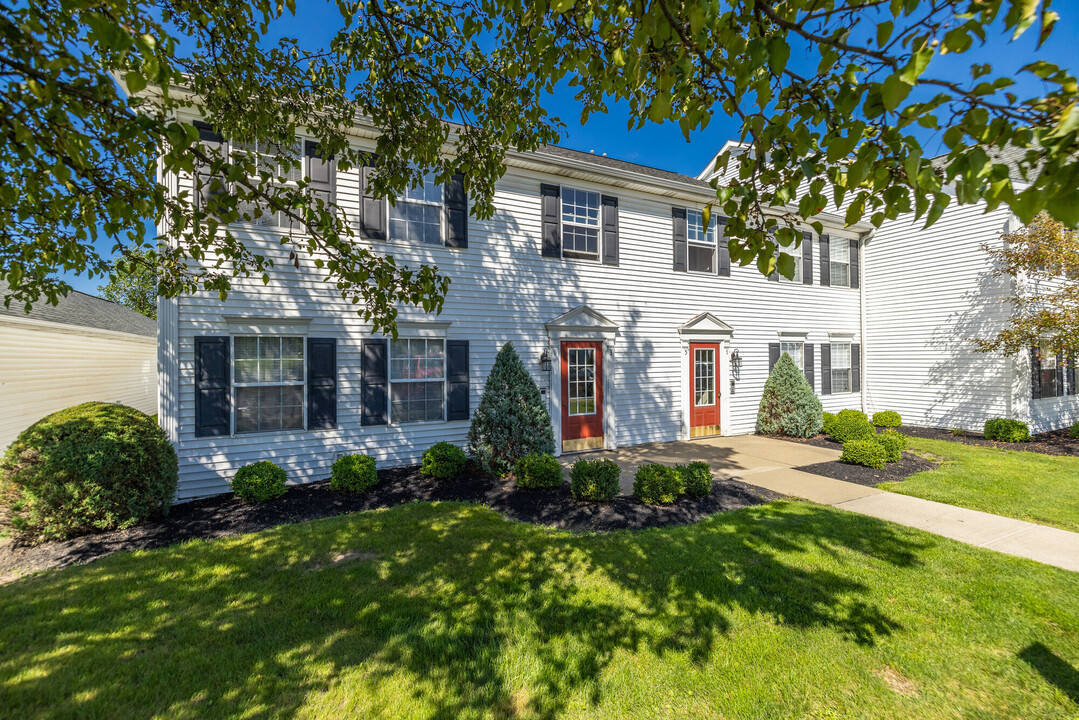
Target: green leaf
column 893, row 91
column 919, row 61
column 884, row 31
column 135, row 82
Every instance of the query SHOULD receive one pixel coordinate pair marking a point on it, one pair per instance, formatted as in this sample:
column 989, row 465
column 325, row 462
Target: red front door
column 582, row 395
column 703, row 389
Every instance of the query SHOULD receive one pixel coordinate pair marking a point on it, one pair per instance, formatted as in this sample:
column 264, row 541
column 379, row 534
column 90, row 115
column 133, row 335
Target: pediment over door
column 582, row 319
column 705, row 326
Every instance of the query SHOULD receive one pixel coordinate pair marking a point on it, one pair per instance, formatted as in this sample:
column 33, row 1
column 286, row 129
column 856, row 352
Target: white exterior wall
column 504, row 290
column 45, row 367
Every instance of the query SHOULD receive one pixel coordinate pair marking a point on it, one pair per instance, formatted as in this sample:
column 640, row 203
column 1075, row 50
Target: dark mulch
column 225, row 516
column 892, row 472
column 1050, row 443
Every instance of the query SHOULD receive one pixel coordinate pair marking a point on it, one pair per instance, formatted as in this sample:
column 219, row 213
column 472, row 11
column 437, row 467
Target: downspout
column 863, row 241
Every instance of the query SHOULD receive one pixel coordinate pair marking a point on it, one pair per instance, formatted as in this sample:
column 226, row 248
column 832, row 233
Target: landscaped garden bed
column 1050, row 443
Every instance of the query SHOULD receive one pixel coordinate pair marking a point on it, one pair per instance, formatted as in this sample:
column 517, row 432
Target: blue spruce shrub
column 789, row 406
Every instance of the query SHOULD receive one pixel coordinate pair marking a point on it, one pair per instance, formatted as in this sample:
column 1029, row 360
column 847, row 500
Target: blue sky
column 664, row 146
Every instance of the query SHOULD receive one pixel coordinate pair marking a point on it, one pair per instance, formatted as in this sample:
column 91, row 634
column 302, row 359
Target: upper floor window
column 417, row 380
column 841, row 380
column 796, row 350
column 702, row 243
column 268, row 382
column 580, row 224
column 839, row 265
column 417, row 215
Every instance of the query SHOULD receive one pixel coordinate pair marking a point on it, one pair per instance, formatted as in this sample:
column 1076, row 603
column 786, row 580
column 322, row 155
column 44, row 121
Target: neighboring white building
column 597, row 265
column 82, row 349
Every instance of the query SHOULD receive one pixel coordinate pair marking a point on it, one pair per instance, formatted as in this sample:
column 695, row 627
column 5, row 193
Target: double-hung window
column 839, row 262
column 702, row 242
column 268, row 383
column 265, row 157
column 1049, row 376
column 417, row 215
column 841, row 378
column 417, row 380
column 797, row 352
column 580, row 224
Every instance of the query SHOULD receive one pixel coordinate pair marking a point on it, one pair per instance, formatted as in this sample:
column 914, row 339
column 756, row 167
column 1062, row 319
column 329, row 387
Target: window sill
column 587, row 257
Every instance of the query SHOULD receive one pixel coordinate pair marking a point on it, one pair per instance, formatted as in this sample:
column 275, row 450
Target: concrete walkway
column 772, row 464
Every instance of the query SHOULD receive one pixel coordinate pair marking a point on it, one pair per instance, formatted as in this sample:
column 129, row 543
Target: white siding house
column 595, row 264
column 82, row 349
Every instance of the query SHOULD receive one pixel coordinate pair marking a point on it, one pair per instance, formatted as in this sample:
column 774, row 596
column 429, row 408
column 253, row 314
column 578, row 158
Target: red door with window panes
column 582, row 390
column 703, row 388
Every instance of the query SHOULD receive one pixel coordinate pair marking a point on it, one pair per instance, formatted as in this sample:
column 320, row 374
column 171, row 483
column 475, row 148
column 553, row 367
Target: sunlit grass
column 787, row 610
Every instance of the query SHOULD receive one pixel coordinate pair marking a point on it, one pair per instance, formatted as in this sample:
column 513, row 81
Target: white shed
column 85, row 348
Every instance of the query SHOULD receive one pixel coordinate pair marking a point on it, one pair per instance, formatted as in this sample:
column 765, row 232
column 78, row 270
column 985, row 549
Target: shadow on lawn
column 452, row 608
column 1056, row 671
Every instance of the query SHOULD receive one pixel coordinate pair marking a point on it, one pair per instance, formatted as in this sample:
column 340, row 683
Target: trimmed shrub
column 353, row 473
column 260, row 481
column 595, row 480
column 657, row 484
column 538, row 471
column 850, row 425
column 92, row 467
column 1073, row 433
column 1005, row 430
column 444, row 460
column 696, row 478
column 827, row 419
column 852, row 413
column 512, row 419
column 887, row 419
column 868, row 452
column 789, row 406
column 893, row 442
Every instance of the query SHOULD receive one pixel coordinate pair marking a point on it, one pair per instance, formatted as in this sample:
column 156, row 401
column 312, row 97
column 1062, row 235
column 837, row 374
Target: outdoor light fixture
column 736, row 358
column 545, row 361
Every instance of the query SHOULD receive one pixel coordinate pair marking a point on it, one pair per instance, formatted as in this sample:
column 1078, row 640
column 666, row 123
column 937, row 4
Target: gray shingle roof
column 85, row 310
column 609, row 162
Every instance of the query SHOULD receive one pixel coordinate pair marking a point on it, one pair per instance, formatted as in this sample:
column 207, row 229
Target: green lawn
column 787, row 610
column 1025, row 485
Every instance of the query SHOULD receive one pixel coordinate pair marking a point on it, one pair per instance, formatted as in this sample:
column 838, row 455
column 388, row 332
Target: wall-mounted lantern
column 545, row 361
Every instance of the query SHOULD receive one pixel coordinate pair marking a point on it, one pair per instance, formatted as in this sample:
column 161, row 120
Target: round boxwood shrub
column 353, row 473
column 1073, row 433
column 595, row 480
column 868, row 452
column 260, row 481
column 788, row 406
column 887, row 419
column 696, row 478
column 826, row 421
column 95, row 466
column 444, row 460
column 850, row 425
column 538, row 471
column 657, row 484
column 1005, row 430
column 894, row 443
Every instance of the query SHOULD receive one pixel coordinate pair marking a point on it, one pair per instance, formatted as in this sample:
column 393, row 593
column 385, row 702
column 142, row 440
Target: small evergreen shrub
column 444, row 460
column 538, row 471
column 594, row 480
column 894, row 443
column 353, row 473
column 260, row 481
column 850, row 425
column 92, row 467
column 958, row 432
column 1005, row 430
column 827, row 420
column 1073, row 433
column 512, row 419
column 696, row 478
column 868, row 452
column 657, row 484
column 788, row 406
column 887, row 419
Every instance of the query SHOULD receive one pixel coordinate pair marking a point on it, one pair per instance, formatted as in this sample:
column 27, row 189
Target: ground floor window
column 796, row 351
column 268, row 382
column 841, row 381
column 417, row 380
column 1049, row 376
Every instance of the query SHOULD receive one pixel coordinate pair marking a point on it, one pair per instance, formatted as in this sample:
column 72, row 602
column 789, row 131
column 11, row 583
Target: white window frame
column 262, row 161
column 798, row 260
column 834, row 244
column 563, row 224
column 799, row 357
column 1049, row 362
column 833, row 370
column 570, row 382
column 400, row 381
column 696, row 376
column 441, row 205
column 233, row 385
column 694, row 239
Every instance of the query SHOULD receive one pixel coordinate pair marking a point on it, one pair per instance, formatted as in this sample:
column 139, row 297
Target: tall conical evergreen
column 512, row 420
column 789, row 406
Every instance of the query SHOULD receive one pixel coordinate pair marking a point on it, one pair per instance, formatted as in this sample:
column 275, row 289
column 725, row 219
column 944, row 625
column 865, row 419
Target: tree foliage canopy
column 827, row 93
column 132, row 282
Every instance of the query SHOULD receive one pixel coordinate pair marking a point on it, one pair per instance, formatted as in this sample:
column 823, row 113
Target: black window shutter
column 1061, row 391
column 212, row 392
column 1035, row 373
column 375, row 383
column 855, row 264
column 610, row 229
column 825, row 369
column 1070, row 372
column 206, row 185
column 681, row 239
column 457, row 380
column 807, row 261
column 552, row 224
column 321, row 383
column 855, row 367
column 808, row 362
column 773, row 355
column 456, row 212
column 372, row 209
column 724, row 263
column 825, row 259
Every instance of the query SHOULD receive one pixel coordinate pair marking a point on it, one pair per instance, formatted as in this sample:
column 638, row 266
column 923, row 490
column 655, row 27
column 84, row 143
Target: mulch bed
column 225, row 516
column 908, row 465
column 1050, row 443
